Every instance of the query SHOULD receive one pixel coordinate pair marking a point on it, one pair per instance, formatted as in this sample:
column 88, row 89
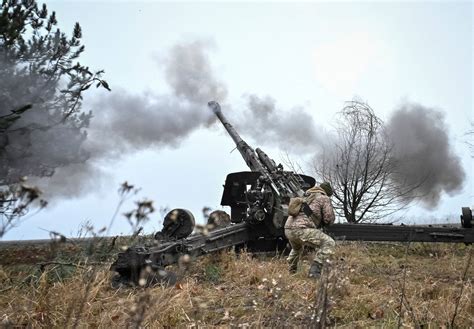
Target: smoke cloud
column 423, row 154
column 189, row 73
column 74, row 180
column 124, row 122
column 292, row 131
column 35, row 142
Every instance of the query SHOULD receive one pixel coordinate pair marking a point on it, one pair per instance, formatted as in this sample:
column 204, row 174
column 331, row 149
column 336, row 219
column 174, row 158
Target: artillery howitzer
column 258, row 200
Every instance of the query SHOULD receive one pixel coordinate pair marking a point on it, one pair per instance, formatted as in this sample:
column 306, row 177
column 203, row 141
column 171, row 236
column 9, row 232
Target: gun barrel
column 216, row 108
column 245, row 150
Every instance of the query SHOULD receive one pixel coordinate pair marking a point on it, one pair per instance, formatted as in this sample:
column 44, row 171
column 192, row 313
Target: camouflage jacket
column 321, row 207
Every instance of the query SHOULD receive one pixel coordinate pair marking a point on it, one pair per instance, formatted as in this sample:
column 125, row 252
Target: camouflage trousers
column 300, row 237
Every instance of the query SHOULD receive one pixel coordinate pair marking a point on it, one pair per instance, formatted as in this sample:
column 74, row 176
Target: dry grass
column 364, row 290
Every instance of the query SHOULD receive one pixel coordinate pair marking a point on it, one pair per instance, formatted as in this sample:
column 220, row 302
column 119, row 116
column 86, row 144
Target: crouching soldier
column 303, row 227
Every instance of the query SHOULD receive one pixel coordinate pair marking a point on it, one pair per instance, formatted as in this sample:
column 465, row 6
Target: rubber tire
column 466, row 217
column 178, row 224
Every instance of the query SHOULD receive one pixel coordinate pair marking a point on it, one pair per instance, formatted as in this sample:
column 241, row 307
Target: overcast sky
column 313, row 56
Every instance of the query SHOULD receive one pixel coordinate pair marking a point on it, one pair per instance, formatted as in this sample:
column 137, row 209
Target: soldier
column 304, row 229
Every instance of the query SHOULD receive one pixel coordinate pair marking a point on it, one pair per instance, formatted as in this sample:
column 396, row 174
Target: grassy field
column 369, row 285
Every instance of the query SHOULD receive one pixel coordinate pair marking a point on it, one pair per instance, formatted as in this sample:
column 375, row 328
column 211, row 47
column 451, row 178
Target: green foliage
column 42, row 126
column 41, row 91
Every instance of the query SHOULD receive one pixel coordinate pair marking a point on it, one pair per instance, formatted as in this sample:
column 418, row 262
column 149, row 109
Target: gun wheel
column 218, row 219
column 178, row 224
column 117, row 281
column 466, row 217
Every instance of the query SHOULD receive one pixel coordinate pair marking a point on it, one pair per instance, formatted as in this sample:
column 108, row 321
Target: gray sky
column 311, row 55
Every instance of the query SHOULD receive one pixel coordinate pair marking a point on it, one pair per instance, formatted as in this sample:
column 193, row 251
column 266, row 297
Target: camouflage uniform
column 301, row 231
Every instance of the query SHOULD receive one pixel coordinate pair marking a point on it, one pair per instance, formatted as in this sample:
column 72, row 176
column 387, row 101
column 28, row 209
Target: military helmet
column 327, row 188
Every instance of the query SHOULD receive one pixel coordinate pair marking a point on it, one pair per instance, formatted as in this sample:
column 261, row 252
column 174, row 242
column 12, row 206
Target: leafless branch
column 16, row 201
column 470, row 136
column 359, row 166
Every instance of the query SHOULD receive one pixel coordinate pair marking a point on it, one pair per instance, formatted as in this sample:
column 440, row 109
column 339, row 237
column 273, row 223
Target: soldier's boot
column 315, row 270
column 293, row 268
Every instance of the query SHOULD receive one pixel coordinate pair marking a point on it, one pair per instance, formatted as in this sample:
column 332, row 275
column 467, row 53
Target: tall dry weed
column 363, row 290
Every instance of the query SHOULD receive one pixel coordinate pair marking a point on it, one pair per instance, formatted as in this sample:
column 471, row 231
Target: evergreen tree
column 42, row 126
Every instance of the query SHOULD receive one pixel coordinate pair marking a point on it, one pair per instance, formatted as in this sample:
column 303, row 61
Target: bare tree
column 470, row 136
column 359, row 167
